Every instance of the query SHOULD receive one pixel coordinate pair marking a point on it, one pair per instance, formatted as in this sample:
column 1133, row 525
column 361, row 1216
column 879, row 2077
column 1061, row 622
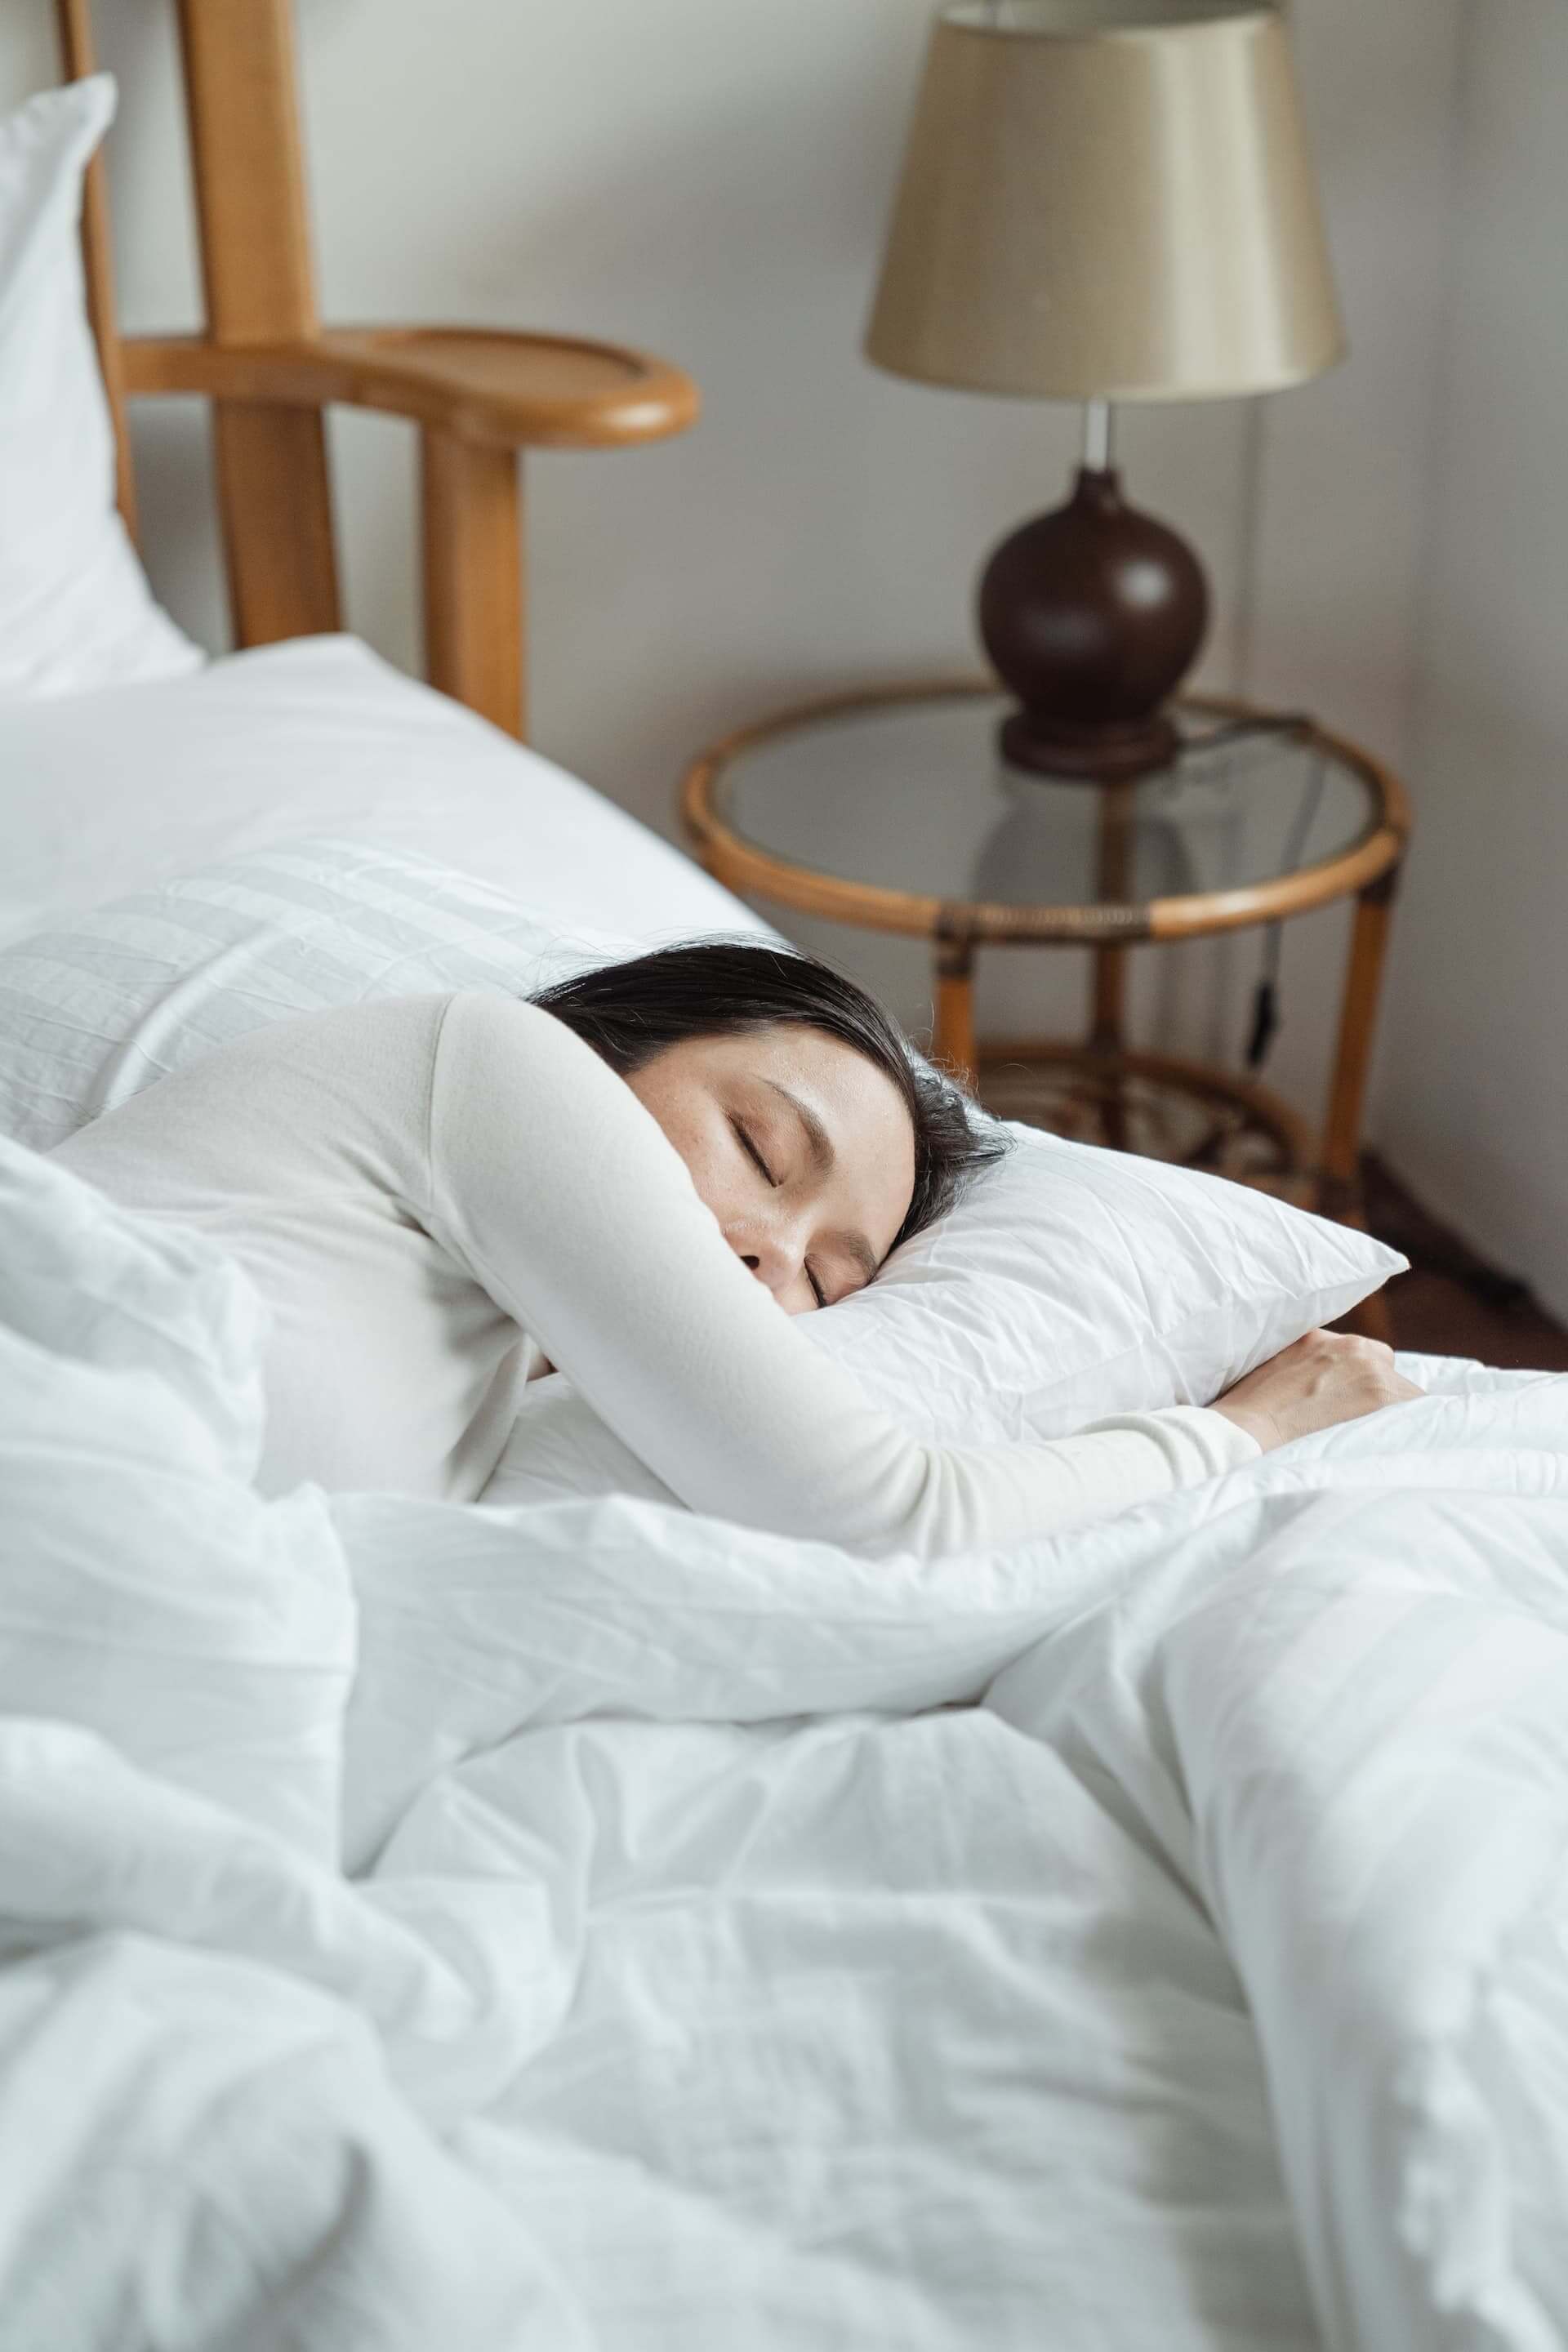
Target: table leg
column 1338, row 1183
column 952, row 1042
column 1352, row 1058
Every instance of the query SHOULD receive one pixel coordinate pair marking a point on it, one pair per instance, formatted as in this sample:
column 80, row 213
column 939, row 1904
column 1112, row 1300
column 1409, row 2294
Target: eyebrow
column 853, row 1245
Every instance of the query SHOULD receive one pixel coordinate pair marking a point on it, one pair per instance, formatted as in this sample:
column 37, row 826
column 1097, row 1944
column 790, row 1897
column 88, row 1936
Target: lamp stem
column 1097, row 436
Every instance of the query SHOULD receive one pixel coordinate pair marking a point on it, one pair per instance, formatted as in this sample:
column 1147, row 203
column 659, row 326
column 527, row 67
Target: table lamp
column 1103, row 203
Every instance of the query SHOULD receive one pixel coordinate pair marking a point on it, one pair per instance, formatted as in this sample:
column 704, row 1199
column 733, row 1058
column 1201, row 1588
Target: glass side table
column 892, row 809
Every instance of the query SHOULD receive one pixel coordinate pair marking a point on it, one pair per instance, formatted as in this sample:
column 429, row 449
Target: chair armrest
column 479, row 397
column 499, row 389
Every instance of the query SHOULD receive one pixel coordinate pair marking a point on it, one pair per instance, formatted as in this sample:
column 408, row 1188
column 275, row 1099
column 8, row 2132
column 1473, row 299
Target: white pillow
column 105, row 793
column 1073, row 1282
column 92, row 1013
column 75, row 608
column 1069, row 1284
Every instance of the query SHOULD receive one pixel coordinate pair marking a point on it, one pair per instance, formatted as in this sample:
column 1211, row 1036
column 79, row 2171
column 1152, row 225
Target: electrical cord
column 1266, row 1011
column 1266, row 1014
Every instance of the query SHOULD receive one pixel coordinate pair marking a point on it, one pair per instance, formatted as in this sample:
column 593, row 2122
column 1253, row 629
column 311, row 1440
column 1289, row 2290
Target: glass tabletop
column 914, row 795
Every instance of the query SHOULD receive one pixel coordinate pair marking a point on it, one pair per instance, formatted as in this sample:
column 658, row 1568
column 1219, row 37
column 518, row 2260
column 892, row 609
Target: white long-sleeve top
column 436, row 1195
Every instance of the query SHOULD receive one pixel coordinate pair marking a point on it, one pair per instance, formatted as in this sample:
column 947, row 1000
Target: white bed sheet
column 105, row 793
column 1151, row 1937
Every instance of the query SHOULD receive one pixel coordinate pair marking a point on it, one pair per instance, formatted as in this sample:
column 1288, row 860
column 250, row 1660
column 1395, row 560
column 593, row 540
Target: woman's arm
column 555, row 1187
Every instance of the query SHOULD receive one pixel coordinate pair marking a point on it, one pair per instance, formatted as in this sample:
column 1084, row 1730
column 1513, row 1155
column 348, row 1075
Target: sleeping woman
column 640, row 1178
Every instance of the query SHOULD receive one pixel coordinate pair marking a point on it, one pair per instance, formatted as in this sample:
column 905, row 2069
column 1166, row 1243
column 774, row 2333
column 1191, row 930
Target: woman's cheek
column 711, row 1177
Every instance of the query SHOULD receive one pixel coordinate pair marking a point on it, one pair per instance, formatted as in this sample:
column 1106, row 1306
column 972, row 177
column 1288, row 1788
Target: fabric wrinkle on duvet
column 705, row 1975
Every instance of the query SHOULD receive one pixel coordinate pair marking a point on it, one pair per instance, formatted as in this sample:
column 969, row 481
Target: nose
column 771, row 1257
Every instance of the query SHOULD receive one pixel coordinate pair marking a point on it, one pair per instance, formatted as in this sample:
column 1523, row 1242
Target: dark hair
column 718, row 988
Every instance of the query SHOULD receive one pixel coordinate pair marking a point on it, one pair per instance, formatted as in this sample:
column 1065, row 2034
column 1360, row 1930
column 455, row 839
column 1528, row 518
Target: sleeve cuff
column 1198, row 1441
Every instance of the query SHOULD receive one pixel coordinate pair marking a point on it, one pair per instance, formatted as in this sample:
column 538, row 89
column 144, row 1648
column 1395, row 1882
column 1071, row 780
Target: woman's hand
column 1324, row 1378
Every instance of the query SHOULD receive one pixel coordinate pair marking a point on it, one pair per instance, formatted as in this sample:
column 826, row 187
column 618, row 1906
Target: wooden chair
column 479, row 397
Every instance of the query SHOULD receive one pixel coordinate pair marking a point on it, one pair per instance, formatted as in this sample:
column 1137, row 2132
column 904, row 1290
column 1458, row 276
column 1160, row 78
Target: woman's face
column 800, row 1146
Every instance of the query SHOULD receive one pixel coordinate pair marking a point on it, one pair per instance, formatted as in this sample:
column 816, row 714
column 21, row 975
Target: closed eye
column 816, row 1290
column 753, row 1155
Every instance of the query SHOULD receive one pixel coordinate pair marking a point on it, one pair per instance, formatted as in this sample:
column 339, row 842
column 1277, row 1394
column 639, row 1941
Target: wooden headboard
column 479, row 397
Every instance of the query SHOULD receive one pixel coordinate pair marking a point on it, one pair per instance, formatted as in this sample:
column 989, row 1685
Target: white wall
column 1475, row 1103
column 710, row 178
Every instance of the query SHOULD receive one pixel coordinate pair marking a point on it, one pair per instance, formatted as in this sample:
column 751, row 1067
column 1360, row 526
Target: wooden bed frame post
column 479, row 395
column 248, row 163
column 471, row 521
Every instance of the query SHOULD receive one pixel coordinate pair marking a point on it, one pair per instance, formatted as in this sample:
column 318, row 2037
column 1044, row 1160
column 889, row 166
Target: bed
column 566, row 1922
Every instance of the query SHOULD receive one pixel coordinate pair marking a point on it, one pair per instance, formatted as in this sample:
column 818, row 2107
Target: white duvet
column 1155, row 1937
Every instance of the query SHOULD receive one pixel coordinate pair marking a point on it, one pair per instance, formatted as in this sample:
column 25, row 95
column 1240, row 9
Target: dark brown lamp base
column 1093, row 615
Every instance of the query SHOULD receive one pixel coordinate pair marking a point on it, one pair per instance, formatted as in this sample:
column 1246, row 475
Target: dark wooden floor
column 1452, row 1302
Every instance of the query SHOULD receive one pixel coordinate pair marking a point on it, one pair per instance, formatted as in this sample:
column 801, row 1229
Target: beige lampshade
column 1108, row 202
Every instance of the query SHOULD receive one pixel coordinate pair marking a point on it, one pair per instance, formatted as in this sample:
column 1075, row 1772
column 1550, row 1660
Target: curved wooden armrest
column 479, row 397
column 499, row 389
